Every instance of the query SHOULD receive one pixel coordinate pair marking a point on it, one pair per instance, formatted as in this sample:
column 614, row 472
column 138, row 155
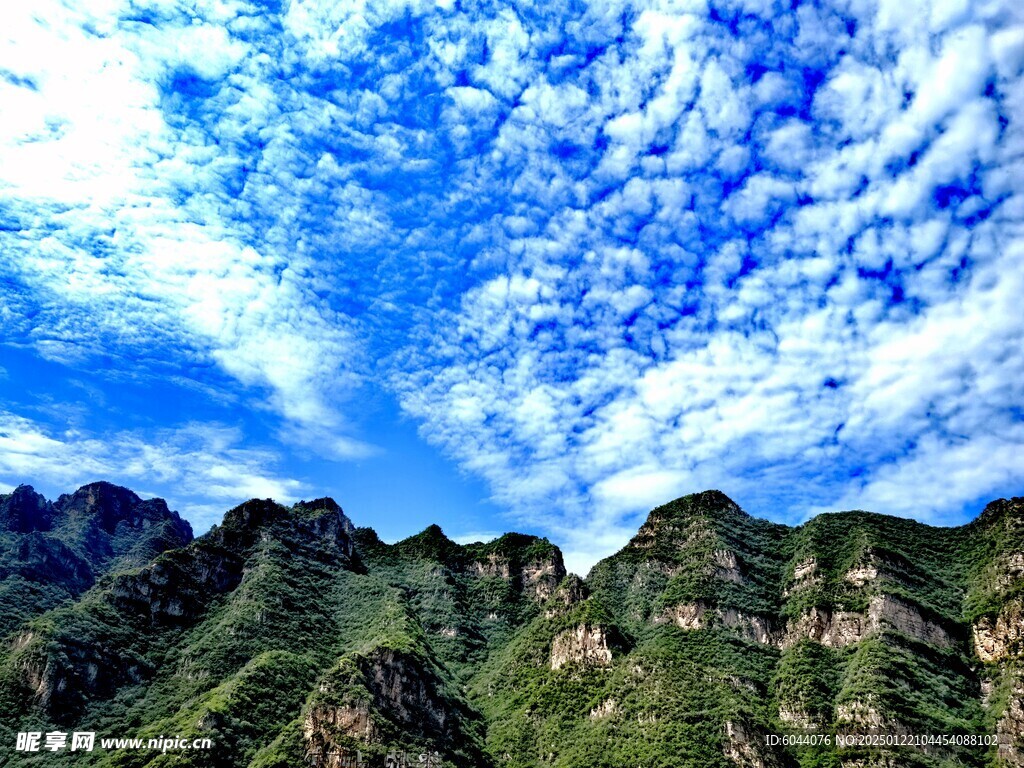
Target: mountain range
column 288, row 637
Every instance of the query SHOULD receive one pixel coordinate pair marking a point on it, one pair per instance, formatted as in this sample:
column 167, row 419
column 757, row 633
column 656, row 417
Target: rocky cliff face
column 359, row 700
column 50, row 553
column 571, row 592
column 370, row 702
column 1010, row 726
column 23, row 511
column 103, row 524
column 699, row 615
column 529, row 565
column 746, row 748
column 39, row 558
column 583, row 645
column 837, row 629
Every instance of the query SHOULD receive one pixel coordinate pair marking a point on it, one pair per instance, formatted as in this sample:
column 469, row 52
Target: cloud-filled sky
column 540, row 266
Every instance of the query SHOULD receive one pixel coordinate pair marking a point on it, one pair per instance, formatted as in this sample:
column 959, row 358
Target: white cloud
column 921, row 485
column 201, row 469
column 602, row 256
column 640, row 487
column 105, row 234
column 858, row 332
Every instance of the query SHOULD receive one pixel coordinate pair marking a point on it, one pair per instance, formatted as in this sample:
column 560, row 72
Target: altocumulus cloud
column 604, row 253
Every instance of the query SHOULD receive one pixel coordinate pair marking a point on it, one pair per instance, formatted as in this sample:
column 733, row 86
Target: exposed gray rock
column 586, row 644
column 746, row 749
column 1001, row 638
column 885, row 612
column 699, row 616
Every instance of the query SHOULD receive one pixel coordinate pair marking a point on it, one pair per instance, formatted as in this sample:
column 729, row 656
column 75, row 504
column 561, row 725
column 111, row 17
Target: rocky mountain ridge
column 50, row 552
column 290, row 636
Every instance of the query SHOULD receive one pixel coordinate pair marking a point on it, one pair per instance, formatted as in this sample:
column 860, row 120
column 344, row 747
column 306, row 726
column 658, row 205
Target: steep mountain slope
column 853, row 622
column 470, row 599
column 52, row 552
column 289, row 637
column 228, row 638
column 664, row 656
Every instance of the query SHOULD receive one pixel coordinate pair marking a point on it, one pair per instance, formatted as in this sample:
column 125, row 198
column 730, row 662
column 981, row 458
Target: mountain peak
column 323, row 503
column 709, row 500
column 327, row 505
column 430, row 544
column 711, row 504
column 102, row 510
column 58, row 550
column 1005, row 512
column 318, row 529
column 101, row 490
column 24, row 510
column 110, row 505
column 255, row 513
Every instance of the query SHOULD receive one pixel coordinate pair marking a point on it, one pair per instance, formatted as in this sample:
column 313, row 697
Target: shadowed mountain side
column 50, row 553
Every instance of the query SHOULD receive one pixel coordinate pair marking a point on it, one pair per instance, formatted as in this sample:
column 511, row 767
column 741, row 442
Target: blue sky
column 537, row 267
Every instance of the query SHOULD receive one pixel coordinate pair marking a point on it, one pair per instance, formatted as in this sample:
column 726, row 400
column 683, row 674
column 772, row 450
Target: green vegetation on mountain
column 52, row 553
column 289, row 637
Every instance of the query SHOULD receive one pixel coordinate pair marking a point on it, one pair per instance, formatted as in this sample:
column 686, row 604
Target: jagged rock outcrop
column 100, row 522
column 795, row 716
column 585, row 645
column 864, row 716
column 572, row 591
column 805, row 577
column 727, row 566
column 760, row 629
column 493, row 565
column 1010, row 569
column 351, row 720
column 1000, row 638
column 535, row 574
column 541, row 576
column 405, row 690
column 316, row 507
column 1010, row 727
column 861, row 574
column 746, row 749
column 51, row 553
column 23, row 511
column 368, row 699
column 176, row 590
column 606, row 708
column 837, row 629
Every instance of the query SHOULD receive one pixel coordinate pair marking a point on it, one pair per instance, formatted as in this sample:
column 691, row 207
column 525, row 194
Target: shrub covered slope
column 289, row 637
